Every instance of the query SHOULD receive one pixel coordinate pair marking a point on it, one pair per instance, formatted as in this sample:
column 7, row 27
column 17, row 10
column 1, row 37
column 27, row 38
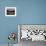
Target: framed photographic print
column 10, row 11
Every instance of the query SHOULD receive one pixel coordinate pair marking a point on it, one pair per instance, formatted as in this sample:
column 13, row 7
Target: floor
column 31, row 43
column 7, row 45
column 28, row 43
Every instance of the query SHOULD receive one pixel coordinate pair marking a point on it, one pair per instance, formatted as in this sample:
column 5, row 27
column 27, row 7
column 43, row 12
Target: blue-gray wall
column 28, row 12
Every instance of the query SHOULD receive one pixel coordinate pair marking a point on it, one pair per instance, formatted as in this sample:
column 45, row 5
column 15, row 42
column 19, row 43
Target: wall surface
column 28, row 12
